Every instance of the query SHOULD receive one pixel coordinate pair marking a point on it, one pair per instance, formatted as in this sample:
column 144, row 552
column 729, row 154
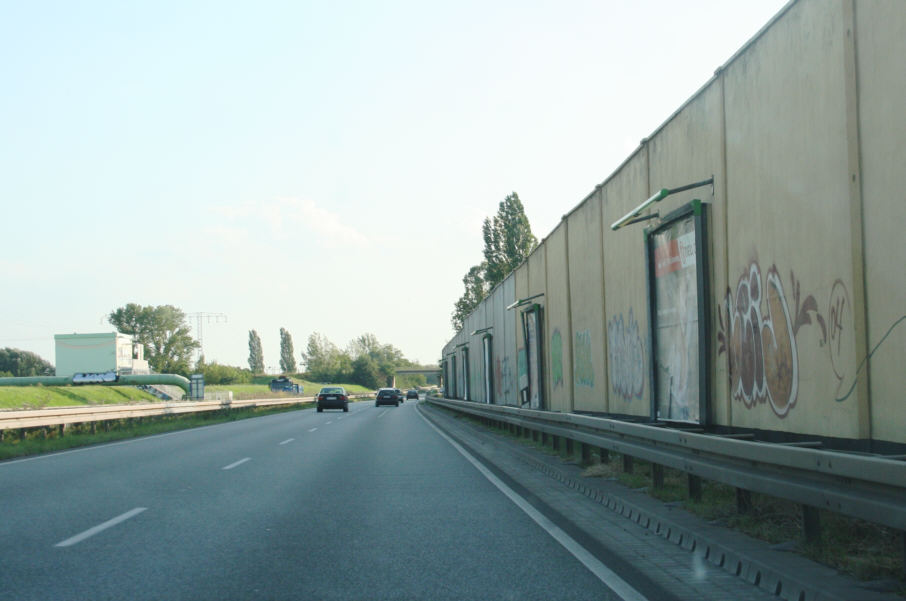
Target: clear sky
column 319, row 166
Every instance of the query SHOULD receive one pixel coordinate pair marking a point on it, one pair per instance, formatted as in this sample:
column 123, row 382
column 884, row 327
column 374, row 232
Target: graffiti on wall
column 584, row 371
column 556, row 359
column 627, row 357
column 759, row 338
column 503, row 378
column 838, row 313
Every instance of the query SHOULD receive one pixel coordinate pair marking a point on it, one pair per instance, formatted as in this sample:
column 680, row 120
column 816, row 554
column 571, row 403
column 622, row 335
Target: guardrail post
column 657, row 475
column 62, row 430
column 570, row 448
column 94, row 427
column 627, row 464
column 743, row 501
column 604, row 455
column 811, row 524
column 544, row 437
column 534, row 435
column 586, row 453
column 555, row 442
column 695, row 488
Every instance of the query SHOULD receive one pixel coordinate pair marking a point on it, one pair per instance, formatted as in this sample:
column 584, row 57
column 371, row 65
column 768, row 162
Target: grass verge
column 35, row 441
column 38, row 397
column 263, row 391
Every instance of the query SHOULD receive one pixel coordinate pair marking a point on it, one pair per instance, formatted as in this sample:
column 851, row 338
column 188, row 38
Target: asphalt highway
column 371, row 504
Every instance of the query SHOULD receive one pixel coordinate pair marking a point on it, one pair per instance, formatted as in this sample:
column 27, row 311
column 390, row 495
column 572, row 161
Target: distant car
column 412, row 394
column 388, row 396
column 333, row 397
column 284, row 384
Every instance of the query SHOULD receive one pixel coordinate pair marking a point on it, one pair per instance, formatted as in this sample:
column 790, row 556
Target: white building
column 99, row 353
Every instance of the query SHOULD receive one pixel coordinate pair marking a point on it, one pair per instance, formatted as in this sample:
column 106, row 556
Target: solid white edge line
column 236, row 463
column 607, row 576
column 100, row 527
column 287, row 441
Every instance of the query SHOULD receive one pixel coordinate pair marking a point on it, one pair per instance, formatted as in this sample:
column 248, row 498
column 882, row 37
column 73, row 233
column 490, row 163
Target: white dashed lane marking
column 100, row 528
column 237, row 463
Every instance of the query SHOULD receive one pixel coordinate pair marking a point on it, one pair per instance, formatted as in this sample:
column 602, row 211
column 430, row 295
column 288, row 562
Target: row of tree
column 169, row 346
column 287, row 354
column 17, row 363
column 256, row 353
column 364, row 361
column 508, row 241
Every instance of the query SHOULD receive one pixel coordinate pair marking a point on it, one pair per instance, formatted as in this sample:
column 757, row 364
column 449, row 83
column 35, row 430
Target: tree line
column 508, row 241
column 15, row 363
column 169, row 346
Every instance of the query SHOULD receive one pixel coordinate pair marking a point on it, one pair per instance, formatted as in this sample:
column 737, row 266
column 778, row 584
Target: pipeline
column 123, row 380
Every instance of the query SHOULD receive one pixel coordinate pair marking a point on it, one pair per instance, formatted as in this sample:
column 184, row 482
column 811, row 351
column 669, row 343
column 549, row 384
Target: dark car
column 333, row 397
column 284, row 384
column 412, row 394
column 388, row 396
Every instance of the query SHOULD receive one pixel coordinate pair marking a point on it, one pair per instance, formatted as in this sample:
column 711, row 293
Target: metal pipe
column 148, row 379
column 123, row 380
column 36, row 381
column 659, row 196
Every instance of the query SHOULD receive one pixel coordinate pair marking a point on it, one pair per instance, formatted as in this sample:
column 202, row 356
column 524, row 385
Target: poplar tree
column 287, row 360
column 508, row 241
column 256, row 353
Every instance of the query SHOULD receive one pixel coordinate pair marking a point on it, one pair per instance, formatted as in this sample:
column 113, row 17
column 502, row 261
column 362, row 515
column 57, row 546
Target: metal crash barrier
column 869, row 487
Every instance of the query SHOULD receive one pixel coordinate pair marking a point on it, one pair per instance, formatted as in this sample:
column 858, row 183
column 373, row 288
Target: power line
column 200, row 319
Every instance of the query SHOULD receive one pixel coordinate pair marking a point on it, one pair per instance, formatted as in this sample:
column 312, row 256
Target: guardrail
column 61, row 416
column 869, row 487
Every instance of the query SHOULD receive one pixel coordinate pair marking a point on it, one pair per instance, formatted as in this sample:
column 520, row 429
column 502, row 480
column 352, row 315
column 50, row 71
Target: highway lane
column 370, row 504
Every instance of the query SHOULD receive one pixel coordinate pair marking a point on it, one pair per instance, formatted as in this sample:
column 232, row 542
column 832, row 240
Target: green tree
column 287, row 359
column 386, row 357
column 365, row 372
column 164, row 333
column 476, row 291
column 508, row 240
column 256, row 353
column 18, row 363
column 324, row 361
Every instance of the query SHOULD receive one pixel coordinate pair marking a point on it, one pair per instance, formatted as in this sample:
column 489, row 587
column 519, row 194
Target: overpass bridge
column 433, row 375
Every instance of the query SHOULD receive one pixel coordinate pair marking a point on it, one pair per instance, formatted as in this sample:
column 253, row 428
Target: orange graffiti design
column 760, row 339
